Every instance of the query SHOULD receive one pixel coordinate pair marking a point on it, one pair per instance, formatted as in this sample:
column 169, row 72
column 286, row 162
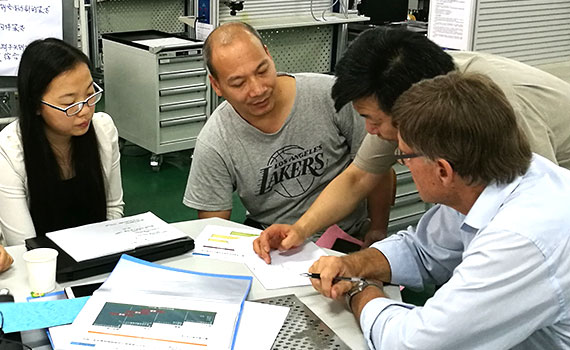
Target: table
column 333, row 313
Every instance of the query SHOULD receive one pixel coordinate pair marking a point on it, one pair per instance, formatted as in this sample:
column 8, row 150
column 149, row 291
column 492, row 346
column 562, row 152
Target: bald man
column 276, row 140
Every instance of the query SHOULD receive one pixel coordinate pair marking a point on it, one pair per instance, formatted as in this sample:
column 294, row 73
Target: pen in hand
column 336, row 279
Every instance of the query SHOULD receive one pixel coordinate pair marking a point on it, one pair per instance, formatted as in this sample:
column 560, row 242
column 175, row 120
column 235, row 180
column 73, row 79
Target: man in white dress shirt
column 498, row 242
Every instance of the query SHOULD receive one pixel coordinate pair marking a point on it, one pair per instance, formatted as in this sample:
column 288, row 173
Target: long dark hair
column 41, row 62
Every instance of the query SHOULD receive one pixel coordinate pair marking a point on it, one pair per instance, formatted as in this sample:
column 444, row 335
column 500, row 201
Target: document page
column 114, row 236
column 155, row 322
column 164, row 42
column 225, row 243
column 148, row 306
column 259, row 326
column 286, row 267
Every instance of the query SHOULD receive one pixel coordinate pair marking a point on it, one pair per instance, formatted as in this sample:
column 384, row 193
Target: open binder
column 68, row 269
column 149, row 306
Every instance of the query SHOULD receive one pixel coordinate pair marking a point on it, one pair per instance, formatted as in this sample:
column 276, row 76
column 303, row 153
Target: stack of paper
column 114, row 236
column 226, row 243
column 149, row 306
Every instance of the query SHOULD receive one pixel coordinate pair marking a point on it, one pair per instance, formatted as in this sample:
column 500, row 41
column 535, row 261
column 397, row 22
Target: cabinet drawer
column 182, row 93
column 167, row 65
column 181, row 78
column 182, row 109
column 180, row 129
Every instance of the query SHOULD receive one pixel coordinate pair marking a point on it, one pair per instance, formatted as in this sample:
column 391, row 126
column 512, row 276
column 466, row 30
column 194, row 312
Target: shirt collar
column 488, row 204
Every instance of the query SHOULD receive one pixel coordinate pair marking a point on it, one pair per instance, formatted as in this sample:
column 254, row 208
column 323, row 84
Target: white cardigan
column 15, row 220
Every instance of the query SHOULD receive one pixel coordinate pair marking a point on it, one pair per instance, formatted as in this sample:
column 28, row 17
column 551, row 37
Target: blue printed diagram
column 114, row 315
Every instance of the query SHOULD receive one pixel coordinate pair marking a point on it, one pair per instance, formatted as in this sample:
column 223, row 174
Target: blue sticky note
column 27, row 316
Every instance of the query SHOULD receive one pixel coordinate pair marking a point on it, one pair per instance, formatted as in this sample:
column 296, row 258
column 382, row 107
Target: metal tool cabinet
column 158, row 96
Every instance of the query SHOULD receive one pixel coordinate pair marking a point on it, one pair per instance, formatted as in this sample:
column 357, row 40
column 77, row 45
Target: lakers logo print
column 291, row 170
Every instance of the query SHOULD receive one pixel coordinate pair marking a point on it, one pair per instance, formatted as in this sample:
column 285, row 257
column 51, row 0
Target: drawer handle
column 180, row 121
column 177, row 106
column 182, row 90
column 179, row 75
column 180, row 59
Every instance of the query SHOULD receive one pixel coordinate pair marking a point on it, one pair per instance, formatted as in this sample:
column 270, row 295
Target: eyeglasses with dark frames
column 401, row 156
column 75, row 108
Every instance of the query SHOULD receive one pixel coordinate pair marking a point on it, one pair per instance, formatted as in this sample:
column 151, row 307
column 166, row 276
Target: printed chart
column 226, row 243
column 116, row 315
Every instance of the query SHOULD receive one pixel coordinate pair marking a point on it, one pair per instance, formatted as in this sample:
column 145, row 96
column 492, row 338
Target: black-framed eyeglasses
column 401, row 156
column 75, row 108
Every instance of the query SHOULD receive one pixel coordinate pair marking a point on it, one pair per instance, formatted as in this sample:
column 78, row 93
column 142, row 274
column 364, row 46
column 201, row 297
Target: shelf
column 301, row 21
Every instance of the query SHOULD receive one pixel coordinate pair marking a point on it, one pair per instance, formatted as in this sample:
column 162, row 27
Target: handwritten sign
column 23, row 21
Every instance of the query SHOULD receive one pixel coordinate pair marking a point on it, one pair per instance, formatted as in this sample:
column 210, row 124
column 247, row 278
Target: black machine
column 384, row 11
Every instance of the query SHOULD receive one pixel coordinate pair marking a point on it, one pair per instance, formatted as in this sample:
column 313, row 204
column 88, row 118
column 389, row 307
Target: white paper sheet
column 260, row 324
column 23, row 21
column 164, row 42
column 155, row 322
column 148, row 306
column 225, row 243
column 203, row 30
column 114, row 236
column 451, row 23
column 286, row 267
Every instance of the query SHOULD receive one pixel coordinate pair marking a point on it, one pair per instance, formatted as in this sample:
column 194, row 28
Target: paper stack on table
column 225, row 243
column 114, row 236
column 149, row 306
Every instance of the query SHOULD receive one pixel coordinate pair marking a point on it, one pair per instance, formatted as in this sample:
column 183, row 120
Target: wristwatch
column 358, row 287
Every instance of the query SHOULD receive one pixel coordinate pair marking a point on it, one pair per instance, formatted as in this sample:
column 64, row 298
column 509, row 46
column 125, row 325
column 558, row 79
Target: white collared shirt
column 504, row 270
column 16, row 223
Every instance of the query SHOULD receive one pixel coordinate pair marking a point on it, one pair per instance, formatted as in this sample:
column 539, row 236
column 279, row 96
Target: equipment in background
column 156, row 90
column 384, row 11
column 234, row 6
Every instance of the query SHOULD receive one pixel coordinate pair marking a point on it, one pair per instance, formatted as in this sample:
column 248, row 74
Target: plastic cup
column 41, row 263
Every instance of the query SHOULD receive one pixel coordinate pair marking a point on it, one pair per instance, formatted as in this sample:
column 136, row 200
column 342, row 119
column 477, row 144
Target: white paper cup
column 41, row 265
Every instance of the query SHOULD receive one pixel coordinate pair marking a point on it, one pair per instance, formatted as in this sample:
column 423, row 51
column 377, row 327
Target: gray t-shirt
column 279, row 175
column 541, row 103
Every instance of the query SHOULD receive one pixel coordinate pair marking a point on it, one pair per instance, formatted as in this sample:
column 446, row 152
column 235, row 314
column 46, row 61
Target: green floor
column 160, row 192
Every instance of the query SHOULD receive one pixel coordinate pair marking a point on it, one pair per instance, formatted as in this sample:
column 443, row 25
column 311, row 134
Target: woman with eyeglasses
column 59, row 163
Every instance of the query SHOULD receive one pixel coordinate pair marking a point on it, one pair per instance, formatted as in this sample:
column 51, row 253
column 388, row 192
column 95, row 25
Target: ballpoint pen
column 336, row 279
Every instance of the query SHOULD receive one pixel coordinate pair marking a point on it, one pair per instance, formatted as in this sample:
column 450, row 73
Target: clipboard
column 69, row 270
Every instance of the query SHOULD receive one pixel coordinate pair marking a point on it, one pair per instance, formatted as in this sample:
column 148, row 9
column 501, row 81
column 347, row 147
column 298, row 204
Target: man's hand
column 330, row 267
column 373, row 236
column 277, row 236
column 5, row 260
column 368, row 263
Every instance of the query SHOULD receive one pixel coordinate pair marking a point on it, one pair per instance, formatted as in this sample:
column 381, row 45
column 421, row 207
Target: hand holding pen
column 336, row 279
column 340, row 278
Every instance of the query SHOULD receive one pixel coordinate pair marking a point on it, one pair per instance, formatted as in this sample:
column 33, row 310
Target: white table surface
column 331, row 312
